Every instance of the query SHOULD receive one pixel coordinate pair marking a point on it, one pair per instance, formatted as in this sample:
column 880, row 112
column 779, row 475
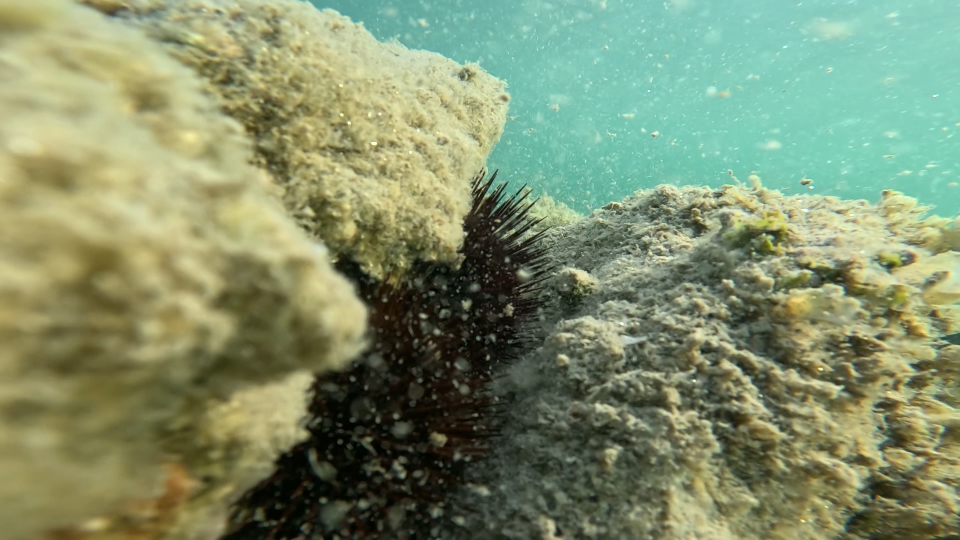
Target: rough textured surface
column 232, row 444
column 145, row 269
column 735, row 364
column 373, row 144
column 391, row 437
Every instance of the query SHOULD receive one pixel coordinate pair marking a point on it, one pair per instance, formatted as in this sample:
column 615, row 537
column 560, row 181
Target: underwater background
column 854, row 96
column 247, row 290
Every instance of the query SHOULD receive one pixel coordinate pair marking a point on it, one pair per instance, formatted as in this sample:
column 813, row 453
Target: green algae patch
column 898, row 296
column 895, row 259
column 762, row 235
column 795, row 280
column 889, row 260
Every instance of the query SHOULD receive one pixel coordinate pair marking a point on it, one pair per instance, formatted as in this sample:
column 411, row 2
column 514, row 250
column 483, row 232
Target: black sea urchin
column 390, row 437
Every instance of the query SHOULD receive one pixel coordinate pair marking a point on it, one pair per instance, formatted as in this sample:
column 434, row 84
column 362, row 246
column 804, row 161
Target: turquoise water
column 856, row 96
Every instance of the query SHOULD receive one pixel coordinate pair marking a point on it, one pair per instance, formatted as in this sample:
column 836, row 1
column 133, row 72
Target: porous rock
column 373, row 144
column 749, row 366
column 146, row 273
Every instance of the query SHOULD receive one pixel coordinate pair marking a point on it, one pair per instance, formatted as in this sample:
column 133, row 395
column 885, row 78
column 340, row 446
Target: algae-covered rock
column 146, row 274
column 373, row 144
column 747, row 366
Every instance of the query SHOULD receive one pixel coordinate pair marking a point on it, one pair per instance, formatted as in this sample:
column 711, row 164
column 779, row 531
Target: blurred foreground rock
column 149, row 278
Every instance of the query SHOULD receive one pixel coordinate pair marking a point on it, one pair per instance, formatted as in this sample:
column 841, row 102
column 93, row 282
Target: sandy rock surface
column 147, row 273
column 373, row 144
column 736, row 364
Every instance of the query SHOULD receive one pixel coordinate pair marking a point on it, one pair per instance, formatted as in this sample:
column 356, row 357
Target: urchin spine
column 391, row 436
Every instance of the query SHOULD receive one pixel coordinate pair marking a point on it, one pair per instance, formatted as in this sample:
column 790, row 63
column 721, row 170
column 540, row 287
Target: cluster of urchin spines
column 390, row 437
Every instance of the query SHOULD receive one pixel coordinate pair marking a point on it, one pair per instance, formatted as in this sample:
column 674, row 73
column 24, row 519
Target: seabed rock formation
column 166, row 290
column 372, row 143
column 719, row 364
column 737, row 364
column 145, row 270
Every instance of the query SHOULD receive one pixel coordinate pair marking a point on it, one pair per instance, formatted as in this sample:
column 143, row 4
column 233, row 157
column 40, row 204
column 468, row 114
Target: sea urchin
column 390, row 437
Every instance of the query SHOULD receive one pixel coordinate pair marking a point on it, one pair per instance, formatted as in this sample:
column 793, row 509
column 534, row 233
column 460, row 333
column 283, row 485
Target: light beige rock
column 765, row 366
column 145, row 270
column 373, row 144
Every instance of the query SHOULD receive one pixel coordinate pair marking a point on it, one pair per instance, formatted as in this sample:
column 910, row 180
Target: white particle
column 438, row 439
column 401, row 429
column 323, row 469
